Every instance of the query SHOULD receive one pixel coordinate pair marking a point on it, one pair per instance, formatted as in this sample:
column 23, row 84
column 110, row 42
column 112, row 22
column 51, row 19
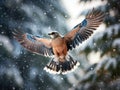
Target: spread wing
column 84, row 30
column 33, row 43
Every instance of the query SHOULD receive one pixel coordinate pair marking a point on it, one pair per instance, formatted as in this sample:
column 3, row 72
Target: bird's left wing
column 84, row 30
column 33, row 43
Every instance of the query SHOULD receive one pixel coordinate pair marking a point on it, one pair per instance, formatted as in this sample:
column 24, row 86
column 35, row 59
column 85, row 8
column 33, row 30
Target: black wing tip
column 17, row 31
column 94, row 10
column 98, row 10
column 96, row 14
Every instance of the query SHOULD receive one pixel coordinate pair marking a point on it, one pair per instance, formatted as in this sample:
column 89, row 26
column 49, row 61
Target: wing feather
column 33, row 43
column 85, row 29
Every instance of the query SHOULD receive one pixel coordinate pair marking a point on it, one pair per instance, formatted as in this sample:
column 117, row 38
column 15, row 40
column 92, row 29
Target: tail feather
column 61, row 67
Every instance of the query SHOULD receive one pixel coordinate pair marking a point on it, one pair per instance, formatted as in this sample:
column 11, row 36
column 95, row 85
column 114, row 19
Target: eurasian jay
column 58, row 46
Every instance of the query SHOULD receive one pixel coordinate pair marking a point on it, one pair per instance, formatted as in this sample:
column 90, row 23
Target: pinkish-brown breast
column 59, row 47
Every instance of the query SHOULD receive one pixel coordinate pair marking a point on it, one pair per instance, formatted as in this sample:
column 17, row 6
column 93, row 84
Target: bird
column 57, row 47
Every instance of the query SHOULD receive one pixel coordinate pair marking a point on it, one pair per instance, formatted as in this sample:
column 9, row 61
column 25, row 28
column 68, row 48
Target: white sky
column 74, row 9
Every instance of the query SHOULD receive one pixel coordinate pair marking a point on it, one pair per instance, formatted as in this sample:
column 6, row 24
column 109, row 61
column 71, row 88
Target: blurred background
column 99, row 56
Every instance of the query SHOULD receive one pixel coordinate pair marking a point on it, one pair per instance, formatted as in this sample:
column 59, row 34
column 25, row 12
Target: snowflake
column 13, row 88
column 1, row 43
column 54, row 16
column 94, row 44
column 0, row 26
column 66, row 16
column 45, row 13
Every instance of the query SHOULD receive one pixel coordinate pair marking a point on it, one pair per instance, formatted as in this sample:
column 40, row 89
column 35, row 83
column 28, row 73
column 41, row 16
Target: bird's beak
column 49, row 34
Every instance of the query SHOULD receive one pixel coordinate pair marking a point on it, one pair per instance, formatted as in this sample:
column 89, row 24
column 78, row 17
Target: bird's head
column 54, row 35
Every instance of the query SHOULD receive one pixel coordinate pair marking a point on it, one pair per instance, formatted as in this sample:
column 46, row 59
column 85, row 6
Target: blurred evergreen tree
column 105, row 75
column 19, row 69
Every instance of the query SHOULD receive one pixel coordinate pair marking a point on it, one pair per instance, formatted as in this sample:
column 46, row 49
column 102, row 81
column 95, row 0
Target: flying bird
column 58, row 46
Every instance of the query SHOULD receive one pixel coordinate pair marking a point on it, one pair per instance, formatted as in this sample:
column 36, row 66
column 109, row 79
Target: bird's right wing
column 33, row 43
column 85, row 29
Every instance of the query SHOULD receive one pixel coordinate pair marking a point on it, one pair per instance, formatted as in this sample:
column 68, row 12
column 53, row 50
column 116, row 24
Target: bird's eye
column 53, row 32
